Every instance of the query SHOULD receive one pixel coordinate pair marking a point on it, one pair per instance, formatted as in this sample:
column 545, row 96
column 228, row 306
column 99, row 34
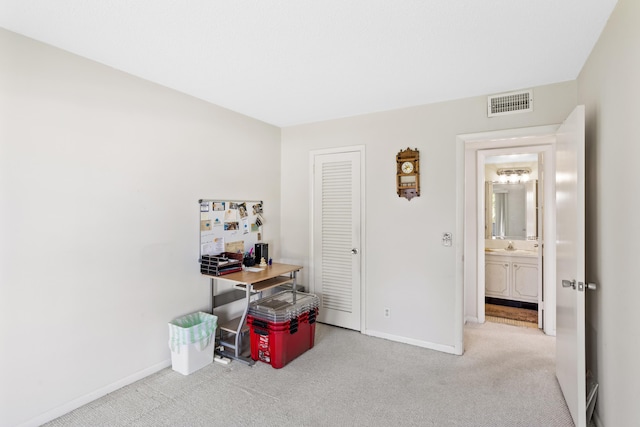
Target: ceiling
column 289, row 62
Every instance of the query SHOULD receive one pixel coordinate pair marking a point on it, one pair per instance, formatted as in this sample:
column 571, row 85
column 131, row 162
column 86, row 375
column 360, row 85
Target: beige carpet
column 505, row 378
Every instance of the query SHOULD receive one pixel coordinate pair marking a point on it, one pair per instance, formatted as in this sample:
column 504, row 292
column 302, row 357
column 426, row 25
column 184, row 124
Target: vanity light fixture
column 514, row 175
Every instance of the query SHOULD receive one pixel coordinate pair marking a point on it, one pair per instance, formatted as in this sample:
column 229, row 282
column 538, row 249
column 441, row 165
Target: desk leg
column 212, row 293
column 238, row 338
column 242, row 322
column 293, row 285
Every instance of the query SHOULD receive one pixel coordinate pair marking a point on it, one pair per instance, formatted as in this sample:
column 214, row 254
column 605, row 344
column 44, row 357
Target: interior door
column 570, row 265
column 336, row 238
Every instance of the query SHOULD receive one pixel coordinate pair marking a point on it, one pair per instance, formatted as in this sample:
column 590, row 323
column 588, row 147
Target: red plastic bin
column 278, row 343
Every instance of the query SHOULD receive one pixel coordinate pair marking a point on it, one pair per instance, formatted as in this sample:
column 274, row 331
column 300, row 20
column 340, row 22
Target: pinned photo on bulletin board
column 234, row 247
column 242, row 210
column 205, row 225
column 228, row 226
column 230, row 215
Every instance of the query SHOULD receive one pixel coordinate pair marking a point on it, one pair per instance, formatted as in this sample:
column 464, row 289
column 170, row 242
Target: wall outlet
column 387, row 312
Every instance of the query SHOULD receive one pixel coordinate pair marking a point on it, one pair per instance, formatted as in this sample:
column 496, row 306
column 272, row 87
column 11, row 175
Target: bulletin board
column 229, row 226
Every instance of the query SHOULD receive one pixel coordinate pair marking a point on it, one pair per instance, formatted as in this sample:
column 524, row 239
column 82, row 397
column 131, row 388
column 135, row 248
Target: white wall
column 100, row 174
column 609, row 86
column 407, row 268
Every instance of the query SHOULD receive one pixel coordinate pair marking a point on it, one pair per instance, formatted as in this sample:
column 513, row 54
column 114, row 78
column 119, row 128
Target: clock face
column 407, row 167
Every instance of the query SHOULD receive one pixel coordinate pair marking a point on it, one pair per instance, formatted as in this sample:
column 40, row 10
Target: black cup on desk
column 249, row 261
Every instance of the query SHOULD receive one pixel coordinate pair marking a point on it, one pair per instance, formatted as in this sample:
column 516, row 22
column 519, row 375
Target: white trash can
column 192, row 340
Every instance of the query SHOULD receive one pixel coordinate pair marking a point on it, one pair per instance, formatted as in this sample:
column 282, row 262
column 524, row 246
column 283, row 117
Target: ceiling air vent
column 510, row 103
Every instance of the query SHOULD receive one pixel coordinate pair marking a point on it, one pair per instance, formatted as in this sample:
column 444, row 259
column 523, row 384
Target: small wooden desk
column 251, row 283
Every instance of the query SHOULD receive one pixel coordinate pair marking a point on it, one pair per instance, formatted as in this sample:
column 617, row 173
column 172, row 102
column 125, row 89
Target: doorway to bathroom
column 503, row 258
column 513, row 198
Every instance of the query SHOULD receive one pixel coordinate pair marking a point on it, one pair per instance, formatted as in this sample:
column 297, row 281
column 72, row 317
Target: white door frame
column 468, row 221
column 362, row 248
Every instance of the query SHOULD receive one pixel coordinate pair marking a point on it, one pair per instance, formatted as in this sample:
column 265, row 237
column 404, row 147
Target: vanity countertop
column 511, row 252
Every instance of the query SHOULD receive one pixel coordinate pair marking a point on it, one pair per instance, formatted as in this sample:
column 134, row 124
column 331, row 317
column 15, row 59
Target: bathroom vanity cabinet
column 511, row 277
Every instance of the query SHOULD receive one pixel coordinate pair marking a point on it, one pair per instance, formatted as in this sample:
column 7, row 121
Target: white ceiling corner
column 289, row 62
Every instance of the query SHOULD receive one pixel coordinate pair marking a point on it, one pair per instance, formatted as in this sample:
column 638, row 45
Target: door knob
column 354, row 251
column 569, row 284
column 592, row 286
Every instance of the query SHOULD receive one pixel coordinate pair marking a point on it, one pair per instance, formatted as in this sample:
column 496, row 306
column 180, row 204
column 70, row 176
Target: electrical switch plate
column 447, row 239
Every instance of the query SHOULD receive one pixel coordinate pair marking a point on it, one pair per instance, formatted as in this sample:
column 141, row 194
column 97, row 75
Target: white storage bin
column 192, row 340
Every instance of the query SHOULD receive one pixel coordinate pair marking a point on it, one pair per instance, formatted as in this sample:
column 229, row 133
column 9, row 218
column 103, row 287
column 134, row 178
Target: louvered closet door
column 336, row 249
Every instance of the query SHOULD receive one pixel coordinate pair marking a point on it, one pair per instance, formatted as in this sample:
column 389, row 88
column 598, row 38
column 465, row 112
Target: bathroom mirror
column 511, row 210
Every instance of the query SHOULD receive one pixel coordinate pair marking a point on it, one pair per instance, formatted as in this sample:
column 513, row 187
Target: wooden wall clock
column 408, row 173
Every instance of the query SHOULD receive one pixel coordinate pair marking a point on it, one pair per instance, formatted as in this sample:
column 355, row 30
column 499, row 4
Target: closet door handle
column 354, row 251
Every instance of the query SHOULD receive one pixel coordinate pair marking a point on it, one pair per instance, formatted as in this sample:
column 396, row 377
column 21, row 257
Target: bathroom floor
column 511, row 315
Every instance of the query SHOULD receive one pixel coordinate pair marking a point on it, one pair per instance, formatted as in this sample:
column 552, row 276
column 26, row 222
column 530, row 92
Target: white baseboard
column 451, row 349
column 90, row 397
column 470, row 319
